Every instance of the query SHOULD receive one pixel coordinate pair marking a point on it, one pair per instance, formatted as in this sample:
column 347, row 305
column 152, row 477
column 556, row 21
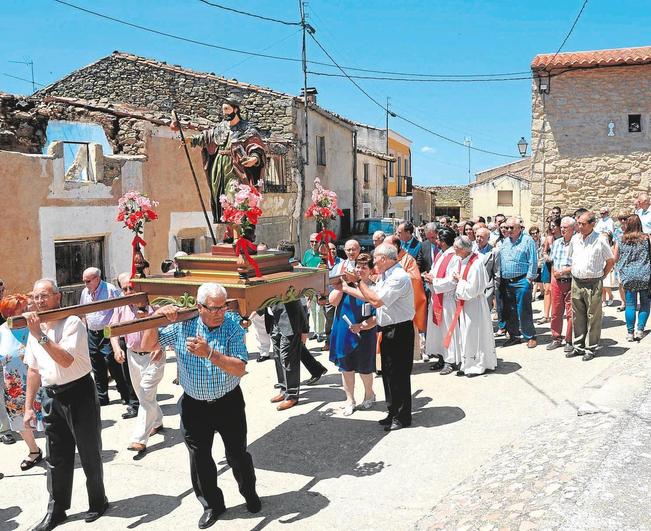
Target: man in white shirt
column 58, row 359
column 606, row 223
column 644, row 212
column 393, row 297
column 592, row 259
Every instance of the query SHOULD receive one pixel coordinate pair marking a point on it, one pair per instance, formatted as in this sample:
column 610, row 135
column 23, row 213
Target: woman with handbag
column 633, row 258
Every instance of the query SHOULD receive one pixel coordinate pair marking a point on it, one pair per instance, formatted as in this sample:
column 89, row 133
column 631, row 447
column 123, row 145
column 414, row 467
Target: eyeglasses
column 89, row 281
column 214, row 309
column 508, row 228
column 40, row 298
column 312, row 241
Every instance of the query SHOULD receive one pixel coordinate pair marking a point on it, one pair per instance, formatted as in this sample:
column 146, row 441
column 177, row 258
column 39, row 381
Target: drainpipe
column 355, row 203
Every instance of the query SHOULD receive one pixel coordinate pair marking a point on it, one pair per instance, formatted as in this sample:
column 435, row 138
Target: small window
column 399, row 166
column 505, row 198
column 188, row 245
column 391, row 163
column 366, row 172
column 634, row 123
column 366, row 210
column 320, row 151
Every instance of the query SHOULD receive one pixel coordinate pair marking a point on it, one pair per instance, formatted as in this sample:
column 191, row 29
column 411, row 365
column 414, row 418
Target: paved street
column 544, row 442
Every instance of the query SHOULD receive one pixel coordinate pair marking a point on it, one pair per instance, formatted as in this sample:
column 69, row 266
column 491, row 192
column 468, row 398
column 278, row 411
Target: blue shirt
column 412, row 246
column 104, row 291
column 198, row 377
column 486, row 249
column 560, row 255
column 518, row 257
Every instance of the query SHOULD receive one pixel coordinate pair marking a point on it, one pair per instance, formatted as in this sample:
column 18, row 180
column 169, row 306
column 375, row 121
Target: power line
column 262, row 50
column 254, row 15
column 576, row 20
column 427, row 80
column 385, row 109
column 23, row 79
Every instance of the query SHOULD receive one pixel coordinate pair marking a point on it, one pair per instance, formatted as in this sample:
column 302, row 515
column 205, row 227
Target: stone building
column 452, row 201
column 591, row 129
column 505, row 189
column 372, row 165
column 424, row 204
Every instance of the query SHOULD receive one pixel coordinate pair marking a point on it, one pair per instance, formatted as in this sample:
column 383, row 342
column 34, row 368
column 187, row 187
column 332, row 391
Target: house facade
column 399, row 185
column 372, row 168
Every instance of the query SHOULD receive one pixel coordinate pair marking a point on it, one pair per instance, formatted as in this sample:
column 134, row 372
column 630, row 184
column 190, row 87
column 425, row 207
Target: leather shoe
column 209, row 517
column 386, row 421
column 447, row 369
column 156, row 430
column 532, row 343
column 263, row 358
column 395, row 425
column 286, row 404
column 316, row 378
column 253, row 503
column 572, row 353
column 278, row 398
column 130, row 413
column 512, row 341
column 50, row 521
column 91, row 516
column 588, row 355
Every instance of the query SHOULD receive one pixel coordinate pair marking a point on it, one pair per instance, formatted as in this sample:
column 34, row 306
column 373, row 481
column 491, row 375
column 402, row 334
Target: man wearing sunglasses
column 211, row 356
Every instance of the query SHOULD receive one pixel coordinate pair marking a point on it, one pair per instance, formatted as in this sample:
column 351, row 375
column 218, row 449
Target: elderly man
column 472, row 314
column 429, row 248
column 101, row 352
column 378, row 238
column 605, row 223
column 444, row 221
column 393, row 299
column 644, row 212
column 352, row 250
column 518, row 269
column 211, row 355
column 485, row 252
column 592, row 260
column 312, row 258
column 145, row 368
column 562, row 287
column 58, row 359
column 408, row 241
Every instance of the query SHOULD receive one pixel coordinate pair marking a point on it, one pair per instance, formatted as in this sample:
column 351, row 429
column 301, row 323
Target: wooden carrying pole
column 154, row 321
column 137, row 299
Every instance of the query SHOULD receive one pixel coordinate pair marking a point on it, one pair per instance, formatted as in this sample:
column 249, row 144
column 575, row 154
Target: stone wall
column 453, row 196
column 582, row 165
column 22, row 127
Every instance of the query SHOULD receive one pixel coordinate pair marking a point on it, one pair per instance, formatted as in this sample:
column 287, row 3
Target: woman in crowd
column 14, row 372
column 617, row 238
column 552, row 234
column 610, row 281
column 632, row 258
column 353, row 337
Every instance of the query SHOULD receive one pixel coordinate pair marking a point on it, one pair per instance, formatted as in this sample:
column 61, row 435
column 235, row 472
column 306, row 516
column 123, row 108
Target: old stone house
column 372, row 166
column 424, row 204
column 505, row 189
column 591, row 129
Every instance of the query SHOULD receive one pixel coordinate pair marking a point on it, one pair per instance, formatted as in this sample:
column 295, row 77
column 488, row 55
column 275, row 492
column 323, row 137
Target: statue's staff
column 177, row 122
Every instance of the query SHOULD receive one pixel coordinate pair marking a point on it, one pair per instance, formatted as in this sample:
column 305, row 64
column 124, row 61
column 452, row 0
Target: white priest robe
column 436, row 333
column 475, row 328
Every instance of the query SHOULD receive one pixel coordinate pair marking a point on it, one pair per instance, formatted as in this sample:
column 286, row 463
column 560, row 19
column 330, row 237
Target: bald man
column 644, row 212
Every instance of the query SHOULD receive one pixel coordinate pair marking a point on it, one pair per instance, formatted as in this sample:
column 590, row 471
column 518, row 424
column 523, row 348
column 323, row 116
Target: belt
column 564, row 279
column 52, row 390
column 586, row 280
column 389, row 327
column 514, row 279
column 140, row 353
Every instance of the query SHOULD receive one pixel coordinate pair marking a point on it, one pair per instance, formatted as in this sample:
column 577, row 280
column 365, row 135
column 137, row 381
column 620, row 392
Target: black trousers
column 287, row 356
column 71, row 417
column 200, row 419
column 103, row 362
column 396, row 353
column 313, row 365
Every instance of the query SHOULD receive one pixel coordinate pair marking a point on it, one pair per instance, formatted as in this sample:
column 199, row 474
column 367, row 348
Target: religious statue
column 231, row 151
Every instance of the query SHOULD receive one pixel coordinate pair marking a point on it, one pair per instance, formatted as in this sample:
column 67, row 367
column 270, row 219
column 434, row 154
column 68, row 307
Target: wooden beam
column 154, row 321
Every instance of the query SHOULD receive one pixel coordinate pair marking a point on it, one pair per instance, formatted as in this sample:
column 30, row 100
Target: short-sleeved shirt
column 105, row 290
column 198, row 377
column 70, row 334
column 589, row 255
column 396, row 292
column 518, row 257
column 645, row 218
column 126, row 313
column 560, row 254
column 311, row 258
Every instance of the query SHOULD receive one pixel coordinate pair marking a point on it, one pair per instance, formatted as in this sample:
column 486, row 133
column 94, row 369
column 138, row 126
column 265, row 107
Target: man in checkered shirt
column 211, row 356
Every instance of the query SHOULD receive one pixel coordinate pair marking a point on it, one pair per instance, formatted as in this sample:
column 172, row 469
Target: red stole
column 437, row 298
column 460, row 303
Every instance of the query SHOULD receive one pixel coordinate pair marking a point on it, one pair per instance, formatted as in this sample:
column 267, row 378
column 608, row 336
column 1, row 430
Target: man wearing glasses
column 211, row 356
column 518, row 269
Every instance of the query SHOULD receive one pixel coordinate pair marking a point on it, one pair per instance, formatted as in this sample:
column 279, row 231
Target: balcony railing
column 404, row 186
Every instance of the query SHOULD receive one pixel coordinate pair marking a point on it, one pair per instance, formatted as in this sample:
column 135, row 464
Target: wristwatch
column 43, row 340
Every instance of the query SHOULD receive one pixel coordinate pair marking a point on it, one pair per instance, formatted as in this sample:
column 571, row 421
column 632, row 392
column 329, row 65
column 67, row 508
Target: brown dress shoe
column 156, row 430
column 532, row 343
column 137, row 447
column 277, row 398
column 286, row 404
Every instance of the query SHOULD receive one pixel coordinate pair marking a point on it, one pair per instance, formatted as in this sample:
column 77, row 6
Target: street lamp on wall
column 522, row 147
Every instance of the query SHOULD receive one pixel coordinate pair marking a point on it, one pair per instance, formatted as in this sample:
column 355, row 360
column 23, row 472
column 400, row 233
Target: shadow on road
column 609, row 348
column 7, row 517
column 149, row 507
column 506, row 367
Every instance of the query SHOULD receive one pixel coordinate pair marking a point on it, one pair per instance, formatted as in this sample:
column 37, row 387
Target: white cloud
column 427, row 149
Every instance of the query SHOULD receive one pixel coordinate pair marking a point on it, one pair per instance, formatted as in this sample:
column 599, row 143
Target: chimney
column 311, row 94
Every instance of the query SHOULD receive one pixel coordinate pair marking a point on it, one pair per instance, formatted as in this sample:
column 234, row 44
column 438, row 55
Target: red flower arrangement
column 134, row 210
column 324, row 209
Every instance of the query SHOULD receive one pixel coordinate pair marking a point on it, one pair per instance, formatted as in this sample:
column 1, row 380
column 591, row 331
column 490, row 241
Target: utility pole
column 29, row 63
column 388, row 112
column 468, row 142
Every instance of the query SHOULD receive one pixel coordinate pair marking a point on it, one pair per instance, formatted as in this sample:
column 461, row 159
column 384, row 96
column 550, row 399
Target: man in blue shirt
column 409, row 242
column 211, row 356
column 518, row 269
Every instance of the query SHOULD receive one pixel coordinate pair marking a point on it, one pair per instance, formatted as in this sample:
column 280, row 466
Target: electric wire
column 428, row 80
column 22, row 79
column 576, row 20
column 254, row 15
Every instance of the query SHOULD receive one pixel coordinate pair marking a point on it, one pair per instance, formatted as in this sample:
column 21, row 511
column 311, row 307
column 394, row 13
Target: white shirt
column 605, row 225
column 395, row 291
column 71, row 335
column 589, row 255
column 645, row 218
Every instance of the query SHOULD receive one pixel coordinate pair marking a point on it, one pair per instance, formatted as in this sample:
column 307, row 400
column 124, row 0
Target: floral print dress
column 14, row 372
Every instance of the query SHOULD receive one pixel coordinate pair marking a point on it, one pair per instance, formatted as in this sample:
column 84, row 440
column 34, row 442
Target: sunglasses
column 214, row 309
column 508, row 228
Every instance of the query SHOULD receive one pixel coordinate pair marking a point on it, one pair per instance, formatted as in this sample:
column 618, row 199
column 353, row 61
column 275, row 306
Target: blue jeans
column 516, row 297
column 631, row 304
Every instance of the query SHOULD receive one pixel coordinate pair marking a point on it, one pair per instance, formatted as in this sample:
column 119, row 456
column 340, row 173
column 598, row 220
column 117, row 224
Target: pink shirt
column 125, row 313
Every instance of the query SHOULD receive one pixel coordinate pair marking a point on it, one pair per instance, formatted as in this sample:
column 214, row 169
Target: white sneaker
column 630, row 337
column 639, row 334
column 349, row 408
column 367, row 404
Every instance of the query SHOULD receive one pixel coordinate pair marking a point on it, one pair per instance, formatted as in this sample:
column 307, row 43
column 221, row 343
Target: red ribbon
column 135, row 243
column 242, row 246
column 326, row 236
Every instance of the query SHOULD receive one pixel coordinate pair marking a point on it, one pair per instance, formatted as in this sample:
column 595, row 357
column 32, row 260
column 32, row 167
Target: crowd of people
column 443, row 292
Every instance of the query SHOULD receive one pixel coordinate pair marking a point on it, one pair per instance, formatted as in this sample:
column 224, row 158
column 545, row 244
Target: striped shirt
column 518, row 257
column 589, row 255
column 645, row 218
column 198, row 377
column 560, row 255
column 105, row 290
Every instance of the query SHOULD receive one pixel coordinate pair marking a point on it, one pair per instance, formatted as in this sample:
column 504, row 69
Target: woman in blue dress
column 353, row 338
column 14, row 372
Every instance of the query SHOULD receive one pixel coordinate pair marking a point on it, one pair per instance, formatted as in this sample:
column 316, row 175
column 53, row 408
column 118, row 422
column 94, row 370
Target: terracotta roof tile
column 615, row 57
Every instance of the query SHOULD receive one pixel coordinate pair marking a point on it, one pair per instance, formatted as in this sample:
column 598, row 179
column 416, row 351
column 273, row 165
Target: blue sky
column 437, row 37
